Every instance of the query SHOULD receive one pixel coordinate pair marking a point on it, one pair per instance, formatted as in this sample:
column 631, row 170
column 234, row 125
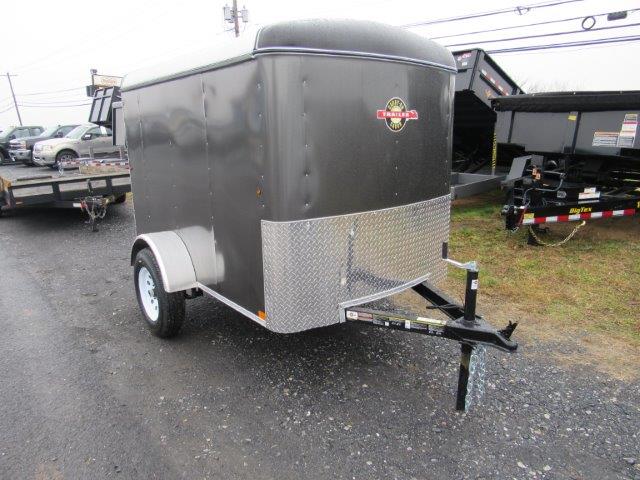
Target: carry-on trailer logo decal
column 395, row 115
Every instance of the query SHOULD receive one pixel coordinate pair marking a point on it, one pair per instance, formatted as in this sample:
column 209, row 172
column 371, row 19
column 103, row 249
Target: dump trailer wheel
column 163, row 312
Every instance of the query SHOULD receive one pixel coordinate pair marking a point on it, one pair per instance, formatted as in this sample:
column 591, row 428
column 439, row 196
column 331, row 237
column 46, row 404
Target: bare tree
column 530, row 85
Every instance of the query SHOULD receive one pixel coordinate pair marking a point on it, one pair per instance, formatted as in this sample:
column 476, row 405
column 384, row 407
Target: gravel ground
column 87, row 393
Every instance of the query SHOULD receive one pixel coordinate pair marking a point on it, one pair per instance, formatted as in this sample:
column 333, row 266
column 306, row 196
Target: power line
column 66, row 53
column 61, row 102
column 52, row 101
column 51, row 91
column 629, row 38
column 520, row 10
column 536, row 24
column 53, row 106
column 561, row 50
column 72, row 98
column 526, row 37
column 69, row 47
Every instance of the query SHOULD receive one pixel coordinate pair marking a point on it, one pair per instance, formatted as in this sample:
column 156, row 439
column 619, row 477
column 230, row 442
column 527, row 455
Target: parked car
column 77, row 143
column 13, row 133
column 22, row 149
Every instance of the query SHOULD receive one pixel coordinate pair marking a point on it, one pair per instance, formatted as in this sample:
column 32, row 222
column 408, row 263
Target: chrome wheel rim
column 147, row 289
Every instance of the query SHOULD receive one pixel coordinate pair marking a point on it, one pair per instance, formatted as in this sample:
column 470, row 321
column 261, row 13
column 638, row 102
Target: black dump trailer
column 102, row 103
column 479, row 80
column 578, row 156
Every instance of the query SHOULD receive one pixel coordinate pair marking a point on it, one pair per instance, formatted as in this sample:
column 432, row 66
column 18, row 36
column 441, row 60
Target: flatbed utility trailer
column 89, row 183
column 475, row 152
column 298, row 174
column 23, row 187
column 578, row 157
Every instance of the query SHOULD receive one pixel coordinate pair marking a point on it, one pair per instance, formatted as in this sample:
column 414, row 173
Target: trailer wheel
column 163, row 312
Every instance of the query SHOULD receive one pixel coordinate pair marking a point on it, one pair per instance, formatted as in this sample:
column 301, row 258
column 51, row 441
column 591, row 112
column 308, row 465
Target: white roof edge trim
column 349, row 53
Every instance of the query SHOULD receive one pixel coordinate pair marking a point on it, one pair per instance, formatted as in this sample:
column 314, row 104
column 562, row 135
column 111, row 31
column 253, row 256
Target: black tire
column 4, row 156
column 120, row 199
column 64, row 155
column 171, row 306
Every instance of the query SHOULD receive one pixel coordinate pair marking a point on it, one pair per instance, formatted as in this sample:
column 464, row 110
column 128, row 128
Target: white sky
column 56, row 43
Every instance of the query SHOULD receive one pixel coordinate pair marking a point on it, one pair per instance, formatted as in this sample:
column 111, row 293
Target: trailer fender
column 173, row 259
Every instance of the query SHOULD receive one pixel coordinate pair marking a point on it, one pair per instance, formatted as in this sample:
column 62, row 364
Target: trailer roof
column 352, row 38
column 570, row 101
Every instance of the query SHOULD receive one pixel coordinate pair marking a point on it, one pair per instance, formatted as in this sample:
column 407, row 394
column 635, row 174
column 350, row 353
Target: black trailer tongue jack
column 464, row 326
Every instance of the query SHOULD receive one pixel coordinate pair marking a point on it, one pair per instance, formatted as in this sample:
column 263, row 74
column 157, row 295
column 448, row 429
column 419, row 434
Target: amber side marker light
column 262, row 315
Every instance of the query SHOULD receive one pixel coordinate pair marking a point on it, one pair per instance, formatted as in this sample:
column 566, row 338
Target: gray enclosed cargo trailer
column 295, row 175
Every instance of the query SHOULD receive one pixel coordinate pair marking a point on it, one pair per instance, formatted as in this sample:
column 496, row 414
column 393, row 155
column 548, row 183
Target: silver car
column 77, row 143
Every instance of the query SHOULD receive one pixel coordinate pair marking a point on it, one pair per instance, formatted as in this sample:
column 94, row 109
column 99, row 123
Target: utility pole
column 232, row 15
column 236, row 26
column 15, row 103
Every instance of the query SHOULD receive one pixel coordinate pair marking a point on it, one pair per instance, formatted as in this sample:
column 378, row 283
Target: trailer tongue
column 463, row 325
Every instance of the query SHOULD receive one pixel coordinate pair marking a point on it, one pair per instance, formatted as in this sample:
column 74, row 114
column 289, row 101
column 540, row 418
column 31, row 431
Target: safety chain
column 561, row 242
column 477, row 375
column 518, row 223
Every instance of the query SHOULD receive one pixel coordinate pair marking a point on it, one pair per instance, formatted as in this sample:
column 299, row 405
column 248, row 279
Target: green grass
column 589, row 285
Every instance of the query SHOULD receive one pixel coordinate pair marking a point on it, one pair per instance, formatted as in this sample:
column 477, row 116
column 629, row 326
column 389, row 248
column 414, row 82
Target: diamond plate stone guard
column 313, row 266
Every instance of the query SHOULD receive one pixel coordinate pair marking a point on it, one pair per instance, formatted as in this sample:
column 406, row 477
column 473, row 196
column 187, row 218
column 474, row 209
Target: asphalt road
column 87, row 393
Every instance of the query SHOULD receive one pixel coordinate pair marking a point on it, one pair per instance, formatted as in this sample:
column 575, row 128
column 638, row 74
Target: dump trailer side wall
column 479, row 80
column 582, row 123
column 479, row 73
column 597, row 132
column 552, row 134
column 571, row 132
